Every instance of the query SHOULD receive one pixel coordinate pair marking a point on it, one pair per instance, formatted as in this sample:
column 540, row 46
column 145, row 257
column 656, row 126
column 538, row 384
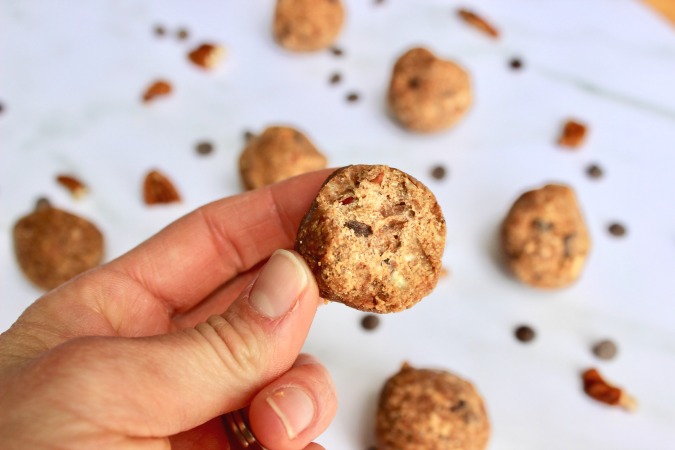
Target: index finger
column 191, row 257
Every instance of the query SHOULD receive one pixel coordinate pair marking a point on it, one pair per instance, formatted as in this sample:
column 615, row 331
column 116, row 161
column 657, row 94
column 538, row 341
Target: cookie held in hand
column 373, row 237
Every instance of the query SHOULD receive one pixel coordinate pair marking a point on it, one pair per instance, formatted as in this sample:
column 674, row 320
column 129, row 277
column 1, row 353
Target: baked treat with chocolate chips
column 544, row 237
column 423, row 409
column 373, row 237
column 307, row 25
column 427, row 93
column 52, row 246
column 278, row 153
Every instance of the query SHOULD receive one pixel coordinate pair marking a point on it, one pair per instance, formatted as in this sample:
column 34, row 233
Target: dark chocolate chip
column 525, row 333
column 594, row 171
column 204, row 148
column 414, row 83
column 438, row 172
column 42, row 203
column 182, row 34
column 352, row 97
column 370, row 322
column 248, row 136
column 159, row 31
column 542, row 225
column 605, row 349
column 335, row 78
column 460, row 405
column 616, row 229
column 516, row 63
column 337, row 51
column 359, row 228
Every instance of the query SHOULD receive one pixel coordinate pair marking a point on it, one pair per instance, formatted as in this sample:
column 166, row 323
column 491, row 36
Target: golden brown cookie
column 373, row 237
column 52, row 246
column 544, row 237
column 428, row 94
column 278, row 153
column 423, row 409
column 307, row 25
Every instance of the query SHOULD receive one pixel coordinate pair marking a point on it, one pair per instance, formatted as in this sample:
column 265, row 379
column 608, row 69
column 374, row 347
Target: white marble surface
column 71, row 74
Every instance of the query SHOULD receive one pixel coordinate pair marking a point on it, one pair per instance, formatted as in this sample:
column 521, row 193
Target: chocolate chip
column 337, row 51
column 594, row 171
column 414, row 83
column 525, row 333
column 370, row 322
column 42, row 203
column 335, row 78
column 248, row 136
column 605, row 349
column 516, row 63
column 204, row 148
column 159, row 31
column 353, row 97
column 460, row 405
column 616, row 229
column 438, row 172
column 182, row 34
column 542, row 225
column 359, row 228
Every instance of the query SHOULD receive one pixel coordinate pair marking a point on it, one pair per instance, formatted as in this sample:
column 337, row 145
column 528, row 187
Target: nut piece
column 52, row 246
column 428, row 94
column 478, row 22
column 598, row 389
column 307, row 25
column 76, row 187
column 573, row 134
column 544, row 237
column 158, row 88
column 276, row 154
column 423, row 409
column 158, row 189
column 373, row 238
column 207, row 56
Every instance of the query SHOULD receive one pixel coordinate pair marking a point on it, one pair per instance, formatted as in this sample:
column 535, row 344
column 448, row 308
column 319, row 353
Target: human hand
column 138, row 353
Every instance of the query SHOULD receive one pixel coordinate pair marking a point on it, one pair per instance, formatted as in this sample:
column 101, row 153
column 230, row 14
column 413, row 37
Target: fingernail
column 279, row 284
column 294, row 408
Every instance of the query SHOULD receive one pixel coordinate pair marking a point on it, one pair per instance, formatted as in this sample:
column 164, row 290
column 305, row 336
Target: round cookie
column 544, row 237
column 428, row 94
column 423, row 409
column 307, row 25
column 278, row 153
column 373, row 237
column 52, row 246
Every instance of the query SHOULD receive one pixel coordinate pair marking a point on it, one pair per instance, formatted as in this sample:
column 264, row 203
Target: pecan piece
column 76, row 187
column 158, row 189
column 207, row 56
column 573, row 134
column 359, row 228
column 158, row 88
column 598, row 389
column 478, row 22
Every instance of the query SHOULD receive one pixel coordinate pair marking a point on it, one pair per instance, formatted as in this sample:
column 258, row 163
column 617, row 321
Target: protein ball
column 427, row 93
column 307, row 25
column 373, row 237
column 544, row 237
column 52, row 246
column 423, row 409
column 276, row 154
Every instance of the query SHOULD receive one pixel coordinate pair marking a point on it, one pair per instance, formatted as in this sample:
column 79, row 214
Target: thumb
column 161, row 385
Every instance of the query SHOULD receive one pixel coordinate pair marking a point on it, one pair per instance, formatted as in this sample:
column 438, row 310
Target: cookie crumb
column 478, row 22
column 207, row 56
column 617, row 230
column 157, row 188
column 159, row 88
column 572, row 134
column 525, row 333
column 370, row 322
column 605, row 349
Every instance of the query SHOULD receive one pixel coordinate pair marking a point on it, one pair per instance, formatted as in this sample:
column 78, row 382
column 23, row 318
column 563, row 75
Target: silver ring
column 238, row 430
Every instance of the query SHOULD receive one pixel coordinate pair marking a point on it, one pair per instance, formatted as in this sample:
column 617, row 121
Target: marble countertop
column 70, row 81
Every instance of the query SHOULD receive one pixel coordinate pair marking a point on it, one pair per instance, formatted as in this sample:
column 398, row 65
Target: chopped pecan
column 347, row 200
column 598, row 389
column 76, row 187
column 158, row 189
column 378, row 179
column 207, row 56
column 478, row 22
column 157, row 89
column 573, row 134
column 359, row 228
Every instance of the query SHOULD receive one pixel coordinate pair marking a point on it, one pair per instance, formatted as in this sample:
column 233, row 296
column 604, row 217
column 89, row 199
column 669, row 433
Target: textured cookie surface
column 423, row 409
column 373, row 237
column 307, row 25
column 278, row 153
column 544, row 237
column 428, row 94
column 52, row 246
